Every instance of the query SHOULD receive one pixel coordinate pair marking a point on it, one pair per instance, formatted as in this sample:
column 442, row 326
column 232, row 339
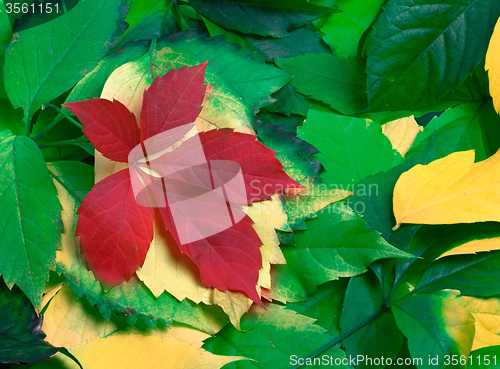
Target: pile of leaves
column 367, row 134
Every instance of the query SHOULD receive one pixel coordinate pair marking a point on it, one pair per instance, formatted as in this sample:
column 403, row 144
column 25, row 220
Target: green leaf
column 336, row 81
column 91, row 85
column 325, row 306
column 132, row 299
column 11, row 119
column 343, row 31
column 5, row 37
column 21, row 340
column 144, row 18
column 265, row 18
column 380, row 338
column 45, row 61
column 30, row 216
column 274, row 338
column 288, row 101
column 472, row 275
column 336, row 244
column 75, row 177
column 224, row 107
column 430, row 242
column 462, row 128
column 485, row 358
column 435, row 327
column 250, row 77
column 288, row 285
column 350, row 148
column 299, row 42
column 294, row 153
column 419, row 49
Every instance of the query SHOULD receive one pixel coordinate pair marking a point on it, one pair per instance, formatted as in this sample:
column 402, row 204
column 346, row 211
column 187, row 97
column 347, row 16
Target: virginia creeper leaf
column 402, row 133
column 109, row 125
column 472, row 275
column 419, row 50
column 55, row 53
column 449, row 190
column 229, row 260
column 262, row 172
column 270, row 337
column 250, row 76
column 492, row 65
column 173, row 100
column 334, row 80
column 381, row 338
column 132, row 299
column 91, row 85
column 336, row 244
column 350, row 148
column 115, row 232
column 260, row 17
column 434, row 326
column 343, row 31
column 486, row 313
column 21, row 339
column 31, row 216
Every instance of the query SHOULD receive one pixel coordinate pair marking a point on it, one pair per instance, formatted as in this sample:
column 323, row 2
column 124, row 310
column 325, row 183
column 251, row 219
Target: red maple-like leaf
column 116, row 232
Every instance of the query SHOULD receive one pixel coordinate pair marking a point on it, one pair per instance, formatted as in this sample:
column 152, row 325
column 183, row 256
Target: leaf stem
column 63, row 114
column 47, row 128
column 344, row 335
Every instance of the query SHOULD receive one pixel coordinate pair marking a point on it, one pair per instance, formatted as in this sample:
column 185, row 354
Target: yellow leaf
column 137, row 351
column 450, row 190
column 49, row 292
column 402, row 133
column 132, row 351
column 167, row 269
column 68, row 322
column 492, row 65
column 486, row 313
column 475, row 246
column 234, row 304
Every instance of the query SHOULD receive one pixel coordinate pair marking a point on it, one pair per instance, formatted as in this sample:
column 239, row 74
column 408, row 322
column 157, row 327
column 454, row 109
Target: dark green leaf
column 380, row 338
column 419, row 49
column 266, row 18
column 299, row 42
column 485, row 358
column 288, row 101
column 472, row 275
column 336, row 81
column 21, row 339
column 145, row 18
column 30, row 216
column 464, row 127
column 47, row 60
column 294, row 153
column 5, row 37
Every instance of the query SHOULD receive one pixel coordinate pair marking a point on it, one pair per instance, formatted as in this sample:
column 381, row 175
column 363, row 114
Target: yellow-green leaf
column 450, row 190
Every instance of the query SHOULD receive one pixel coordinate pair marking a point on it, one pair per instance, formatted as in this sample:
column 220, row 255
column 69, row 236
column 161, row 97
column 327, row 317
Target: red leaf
column 173, row 100
column 229, row 260
column 262, row 172
column 115, row 232
column 109, row 125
